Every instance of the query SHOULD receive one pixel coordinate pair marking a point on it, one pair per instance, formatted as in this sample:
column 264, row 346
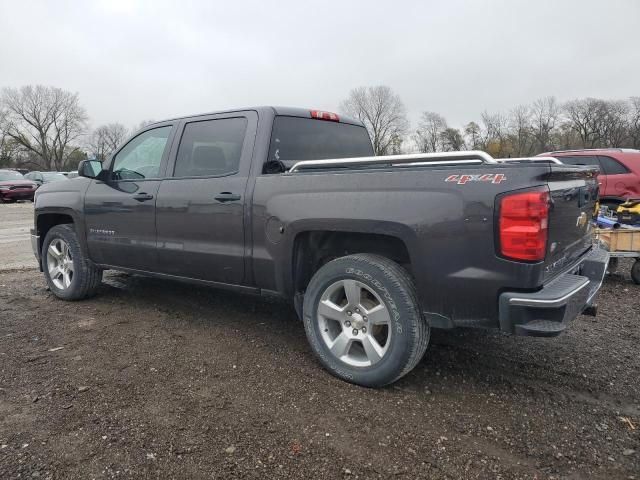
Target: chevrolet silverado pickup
column 372, row 251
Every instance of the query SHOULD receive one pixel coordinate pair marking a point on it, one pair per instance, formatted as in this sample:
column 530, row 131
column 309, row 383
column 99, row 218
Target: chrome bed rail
column 474, row 157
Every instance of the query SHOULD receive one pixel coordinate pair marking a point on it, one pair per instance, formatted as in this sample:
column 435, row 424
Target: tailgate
column 574, row 193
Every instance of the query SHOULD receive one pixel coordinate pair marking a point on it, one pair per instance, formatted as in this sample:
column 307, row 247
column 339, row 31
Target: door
column 120, row 209
column 201, row 203
column 621, row 182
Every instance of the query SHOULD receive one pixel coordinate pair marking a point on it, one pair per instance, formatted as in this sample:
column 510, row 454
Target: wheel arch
column 48, row 218
column 311, row 249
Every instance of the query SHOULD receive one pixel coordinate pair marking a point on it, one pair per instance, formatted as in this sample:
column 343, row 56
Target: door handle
column 143, row 197
column 227, row 197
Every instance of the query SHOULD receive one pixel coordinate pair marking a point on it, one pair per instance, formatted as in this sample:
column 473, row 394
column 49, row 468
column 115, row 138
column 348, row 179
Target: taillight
column 524, row 223
column 320, row 115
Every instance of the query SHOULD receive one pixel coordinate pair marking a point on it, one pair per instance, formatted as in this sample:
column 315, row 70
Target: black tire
column 635, row 272
column 395, row 287
column 86, row 277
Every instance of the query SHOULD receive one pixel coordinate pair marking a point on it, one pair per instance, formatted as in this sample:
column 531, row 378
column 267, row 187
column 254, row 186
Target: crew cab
column 373, row 252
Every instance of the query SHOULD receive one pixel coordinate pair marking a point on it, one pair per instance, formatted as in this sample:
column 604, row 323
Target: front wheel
column 363, row 320
column 69, row 274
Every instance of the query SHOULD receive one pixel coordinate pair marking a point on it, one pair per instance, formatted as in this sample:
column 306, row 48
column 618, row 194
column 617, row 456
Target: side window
column 141, row 157
column 210, row 148
column 580, row 160
column 611, row 166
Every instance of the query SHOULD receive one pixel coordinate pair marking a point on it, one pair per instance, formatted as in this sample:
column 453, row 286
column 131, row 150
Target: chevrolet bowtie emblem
column 581, row 220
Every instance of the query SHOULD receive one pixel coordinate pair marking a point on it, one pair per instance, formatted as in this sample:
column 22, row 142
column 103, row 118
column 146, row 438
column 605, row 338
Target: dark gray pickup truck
column 373, row 252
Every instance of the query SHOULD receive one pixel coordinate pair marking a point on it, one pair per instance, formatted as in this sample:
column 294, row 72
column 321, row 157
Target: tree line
column 525, row 130
column 46, row 128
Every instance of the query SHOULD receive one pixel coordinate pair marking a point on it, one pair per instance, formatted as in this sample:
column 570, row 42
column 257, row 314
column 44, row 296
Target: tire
column 358, row 299
column 635, row 272
column 69, row 275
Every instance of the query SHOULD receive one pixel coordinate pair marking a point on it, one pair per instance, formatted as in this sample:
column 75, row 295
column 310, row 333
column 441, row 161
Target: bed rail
column 474, row 157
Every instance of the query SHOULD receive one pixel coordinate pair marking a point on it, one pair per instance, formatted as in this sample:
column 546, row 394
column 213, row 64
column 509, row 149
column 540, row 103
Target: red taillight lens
column 524, row 223
column 319, row 115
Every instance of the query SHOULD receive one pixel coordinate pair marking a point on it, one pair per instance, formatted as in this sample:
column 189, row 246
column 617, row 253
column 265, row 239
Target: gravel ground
column 155, row 379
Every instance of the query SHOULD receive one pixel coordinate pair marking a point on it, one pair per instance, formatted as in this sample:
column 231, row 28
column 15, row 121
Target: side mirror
column 89, row 168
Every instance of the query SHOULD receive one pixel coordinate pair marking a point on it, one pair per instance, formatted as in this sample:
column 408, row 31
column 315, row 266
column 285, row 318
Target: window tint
column 612, row 167
column 141, row 157
column 210, row 148
column 580, row 160
column 294, row 139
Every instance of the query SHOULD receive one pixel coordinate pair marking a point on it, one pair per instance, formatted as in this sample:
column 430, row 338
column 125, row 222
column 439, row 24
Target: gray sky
column 132, row 61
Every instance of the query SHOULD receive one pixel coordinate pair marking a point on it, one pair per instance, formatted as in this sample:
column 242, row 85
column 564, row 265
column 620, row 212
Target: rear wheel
column 69, row 274
column 363, row 320
column 635, row 272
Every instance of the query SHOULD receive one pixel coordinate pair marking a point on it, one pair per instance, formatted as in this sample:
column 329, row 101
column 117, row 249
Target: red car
column 619, row 171
column 13, row 186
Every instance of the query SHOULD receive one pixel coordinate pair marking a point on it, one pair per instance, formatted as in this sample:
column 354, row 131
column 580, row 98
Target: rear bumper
column 549, row 311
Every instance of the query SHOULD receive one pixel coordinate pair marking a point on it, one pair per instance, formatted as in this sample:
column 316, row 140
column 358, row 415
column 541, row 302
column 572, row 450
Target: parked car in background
column 45, row 177
column 13, row 186
column 619, row 171
column 72, row 174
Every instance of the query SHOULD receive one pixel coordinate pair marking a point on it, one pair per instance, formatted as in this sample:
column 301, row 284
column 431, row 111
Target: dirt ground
column 155, row 379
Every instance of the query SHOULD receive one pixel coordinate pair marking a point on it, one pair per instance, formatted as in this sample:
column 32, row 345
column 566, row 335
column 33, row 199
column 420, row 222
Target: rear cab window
column 294, row 139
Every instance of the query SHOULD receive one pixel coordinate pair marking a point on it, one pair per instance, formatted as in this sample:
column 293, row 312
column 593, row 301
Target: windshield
column 53, row 177
column 295, row 139
column 10, row 175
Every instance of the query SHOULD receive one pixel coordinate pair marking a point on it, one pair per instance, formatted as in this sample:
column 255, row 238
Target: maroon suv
column 13, row 186
column 619, row 171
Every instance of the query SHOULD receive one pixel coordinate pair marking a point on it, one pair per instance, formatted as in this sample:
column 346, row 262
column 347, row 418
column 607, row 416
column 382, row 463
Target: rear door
column 621, row 181
column 120, row 209
column 201, row 203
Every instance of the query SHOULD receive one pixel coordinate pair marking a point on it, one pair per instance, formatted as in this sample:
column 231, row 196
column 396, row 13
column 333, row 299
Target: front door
column 120, row 209
column 201, row 203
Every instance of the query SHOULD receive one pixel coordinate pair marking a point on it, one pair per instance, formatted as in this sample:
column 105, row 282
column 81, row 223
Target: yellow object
column 630, row 206
column 629, row 212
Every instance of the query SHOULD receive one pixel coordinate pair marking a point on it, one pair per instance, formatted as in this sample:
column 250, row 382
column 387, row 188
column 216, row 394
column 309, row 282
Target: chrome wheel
column 60, row 264
column 354, row 323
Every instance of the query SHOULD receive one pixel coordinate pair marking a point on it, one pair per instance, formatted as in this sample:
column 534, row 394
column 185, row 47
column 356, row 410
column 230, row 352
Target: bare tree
column 582, row 116
column 545, row 114
column 382, row 112
column 473, row 136
column 105, row 140
column 452, row 140
column 428, row 135
column 521, row 131
column 634, row 121
column 613, row 123
column 497, row 140
column 43, row 120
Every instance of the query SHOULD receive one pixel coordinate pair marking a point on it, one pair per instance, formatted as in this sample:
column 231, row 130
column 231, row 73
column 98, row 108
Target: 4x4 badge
column 485, row 177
